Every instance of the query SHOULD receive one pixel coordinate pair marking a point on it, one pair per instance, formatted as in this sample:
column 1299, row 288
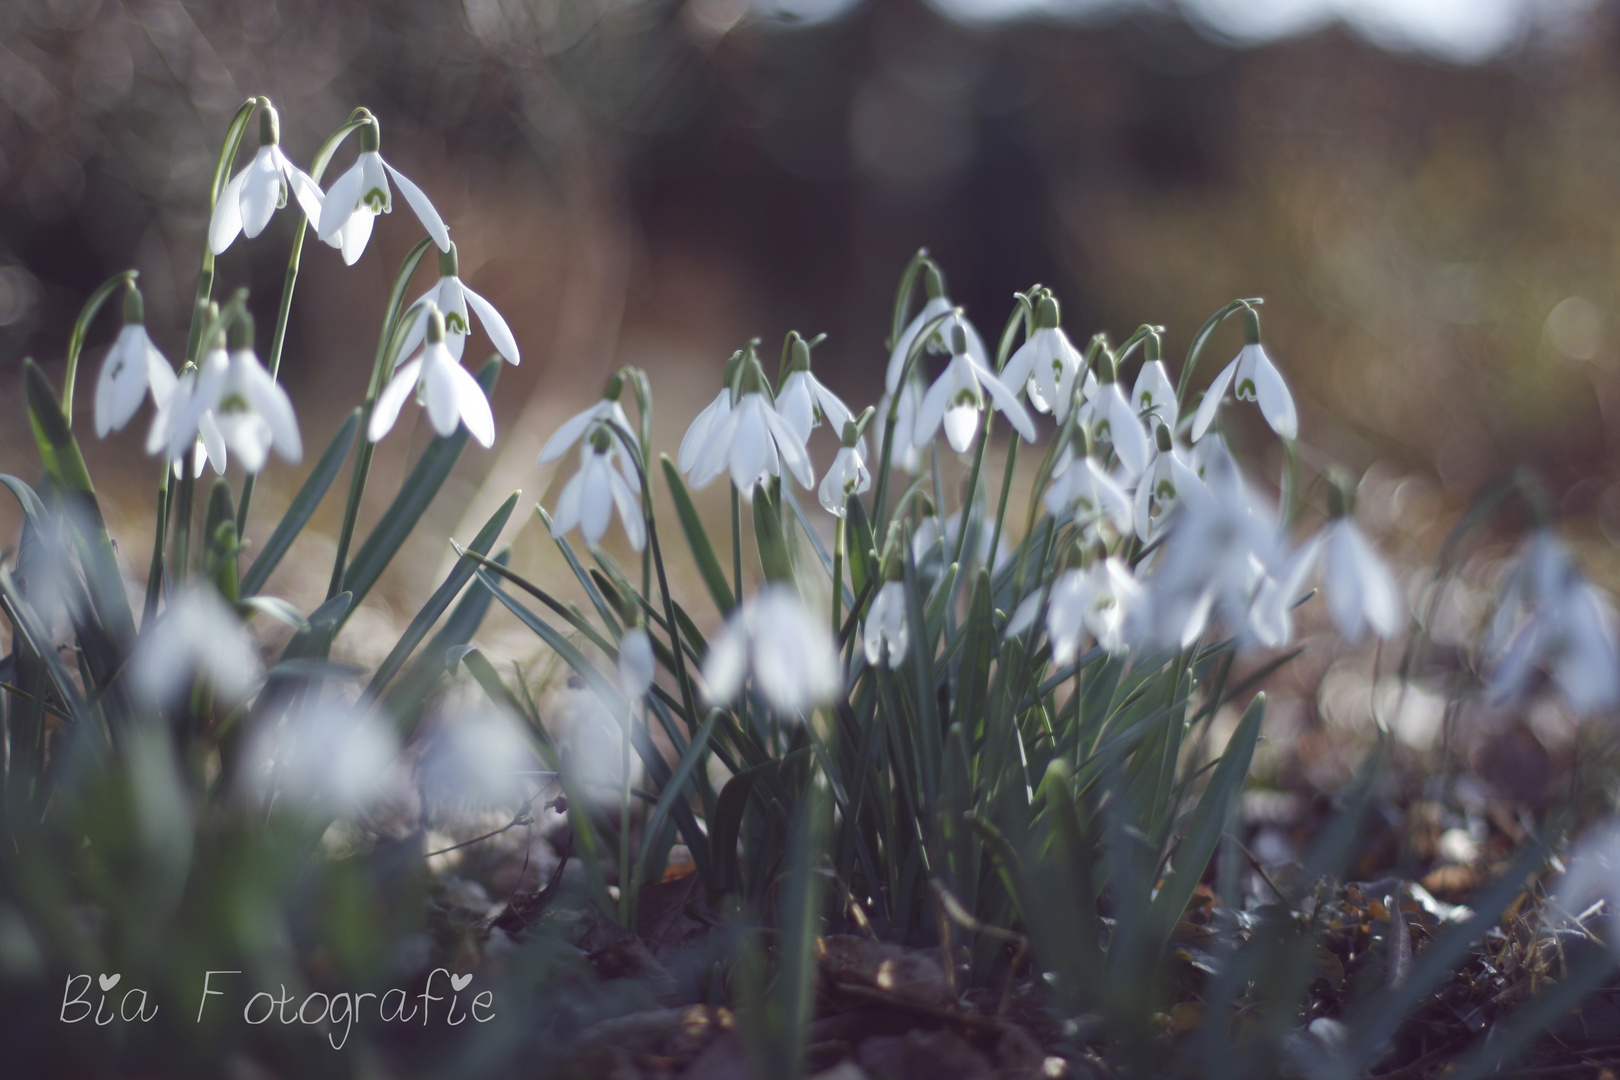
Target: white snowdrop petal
column 306, row 191
column 1211, row 404
column 226, row 222
column 473, row 405
column 695, row 442
column 262, row 193
column 629, row 506
column 341, row 201
column 596, row 503
column 385, row 411
column 419, row 202
column 790, row 446
column 356, row 232
column 272, row 403
column 933, row 309
column 500, row 335
column 1007, row 401
column 569, row 507
column 1276, row 403
column 160, row 377
column 121, row 386
column 961, row 424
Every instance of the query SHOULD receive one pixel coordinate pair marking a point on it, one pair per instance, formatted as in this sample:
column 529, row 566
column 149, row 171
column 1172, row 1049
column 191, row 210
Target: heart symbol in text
column 109, row 981
column 457, row 982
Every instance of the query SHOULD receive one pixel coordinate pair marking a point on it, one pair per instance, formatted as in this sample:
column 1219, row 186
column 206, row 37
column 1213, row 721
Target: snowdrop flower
column 321, row 759
column 454, row 299
column 699, row 438
column 252, row 413
column 1254, row 378
column 1100, row 600
column 886, row 637
column 1220, row 550
column 636, row 665
column 904, row 453
column 789, row 653
column 754, row 441
column 1048, row 364
column 1360, row 590
column 353, row 202
column 202, row 445
column 1084, row 493
column 608, row 410
column 133, row 367
column 1154, row 394
column 848, row 474
column 957, row 399
column 1159, row 489
column 1113, row 420
column 1551, row 617
column 802, row 401
column 590, row 496
column 938, row 340
column 449, row 391
column 258, row 191
column 198, row 636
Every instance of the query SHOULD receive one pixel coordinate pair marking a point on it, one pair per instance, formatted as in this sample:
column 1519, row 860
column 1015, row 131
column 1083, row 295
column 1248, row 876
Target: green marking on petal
column 454, row 323
column 376, row 200
column 1245, row 390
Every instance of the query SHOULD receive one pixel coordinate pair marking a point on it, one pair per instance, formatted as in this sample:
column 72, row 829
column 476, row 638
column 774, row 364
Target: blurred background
column 1423, row 190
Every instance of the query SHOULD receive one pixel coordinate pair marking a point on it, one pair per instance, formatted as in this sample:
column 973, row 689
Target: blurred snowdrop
column 1593, row 876
column 200, row 445
column 788, row 652
column 1047, row 363
column 1551, row 617
column 957, row 399
column 133, row 368
column 198, row 636
column 1114, row 420
column 1222, row 545
column 636, row 665
column 1360, row 591
column 846, row 476
column 1104, row 600
column 354, row 200
column 885, row 636
column 1252, row 377
column 448, row 390
column 326, row 759
column 802, row 401
column 475, row 758
column 1084, row 493
column 253, row 414
column 454, row 301
column 253, row 195
column 753, row 441
column 590, row 496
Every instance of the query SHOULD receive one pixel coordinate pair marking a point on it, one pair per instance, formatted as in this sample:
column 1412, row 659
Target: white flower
column 754, row 442
column 589, row 497
column 133, row 366
column 449, row 391
column 1552, row 617
column 791, row 655
column 1360, row 590
column 321, row 758
column 847, row 476
column 904, row 453
column 1082, row 492
column 1154, row 393
column 696, row 443
column 1101, row 599
column 1047, row 362
column 252, row 413
column 197, row 636
column 1254, row 378
column 1114, row 421
column 636, row 665
column 258, row 191
column 453, row 299
column 1158, row 492
column 202, row 444
column 804, row 403
column 886, row 637
column 579, row 424
column 938, row 341
column 957, row 400
column 353, row 202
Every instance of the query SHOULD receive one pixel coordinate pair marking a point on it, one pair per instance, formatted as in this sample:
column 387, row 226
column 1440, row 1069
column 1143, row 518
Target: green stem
column 182, row 520
column 1001, row 508
column 736, row 546
column 1201, row 339
column 838, row 576
column 879, row 518
column 154, row 576
column 222, row 171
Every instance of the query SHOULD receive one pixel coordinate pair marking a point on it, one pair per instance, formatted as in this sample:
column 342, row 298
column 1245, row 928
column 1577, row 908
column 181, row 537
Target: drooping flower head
column 1252, row 377
column 886, row 636
column 457, row 303
column 591, row 495
column 700, row 435
column 253, row 195
column 1109, row 413
column 1047, row 364
column 354, row 200
column 606, row 410
column 801, row 400
column 848, row 474
column 1154, row 394
column 132, row 368
column 788, row 652
column 233, row 391
column 754, row 441
column 957, row 399
column 449, row 392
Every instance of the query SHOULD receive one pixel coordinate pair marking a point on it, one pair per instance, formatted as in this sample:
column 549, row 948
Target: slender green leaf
column 697, row 539
column 302, row 507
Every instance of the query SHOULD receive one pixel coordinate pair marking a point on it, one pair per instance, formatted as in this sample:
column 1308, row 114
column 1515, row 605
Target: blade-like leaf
column 697, row 539
column 302, row 507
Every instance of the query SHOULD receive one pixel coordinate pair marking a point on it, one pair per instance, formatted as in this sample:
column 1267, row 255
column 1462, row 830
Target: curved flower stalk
column 354, row 200
column 590, row 496
column 802, row 401
column 1047, row 364
column 133, row 368
column 754, row 440
column 1551, row 617
column 457, row 303
column 448, row 390
column 957, row 399
column 253, row 414
column 1253, row 377
column 608, row 410
column 788, row 653
column 253, row 195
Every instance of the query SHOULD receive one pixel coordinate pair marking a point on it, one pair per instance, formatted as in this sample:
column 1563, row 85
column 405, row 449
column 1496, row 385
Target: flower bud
column 269, row 124
column 240, row 332
column 799, row 360
column 1047, row 314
